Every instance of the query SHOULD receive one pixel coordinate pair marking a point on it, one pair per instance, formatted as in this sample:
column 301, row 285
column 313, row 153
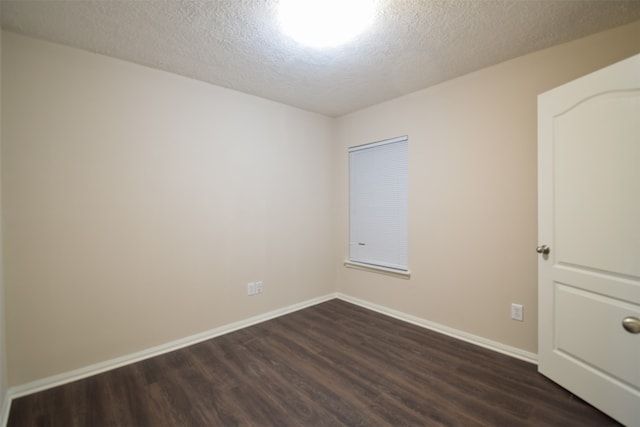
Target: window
column 378, row 204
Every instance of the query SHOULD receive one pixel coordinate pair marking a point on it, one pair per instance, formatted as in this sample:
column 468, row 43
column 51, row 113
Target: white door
column 589, row 223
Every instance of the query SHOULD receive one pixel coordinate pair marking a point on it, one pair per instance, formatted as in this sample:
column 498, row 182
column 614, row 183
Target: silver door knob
column 544, row 250
column 631, row 325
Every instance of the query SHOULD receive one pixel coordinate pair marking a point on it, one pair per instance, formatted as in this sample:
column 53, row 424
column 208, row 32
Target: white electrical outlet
column 254, row 288
column 517, row 312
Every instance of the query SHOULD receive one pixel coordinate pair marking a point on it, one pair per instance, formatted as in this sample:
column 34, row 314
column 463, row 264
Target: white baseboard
column 454, row 333
column 97, row 368
column 4, row 415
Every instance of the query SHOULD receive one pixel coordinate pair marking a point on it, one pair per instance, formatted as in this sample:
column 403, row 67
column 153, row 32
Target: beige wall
column 138, row 204
column 3, row 352
column 472, row 189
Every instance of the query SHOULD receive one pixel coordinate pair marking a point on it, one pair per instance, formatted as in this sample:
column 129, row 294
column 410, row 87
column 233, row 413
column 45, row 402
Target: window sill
column 380, row 270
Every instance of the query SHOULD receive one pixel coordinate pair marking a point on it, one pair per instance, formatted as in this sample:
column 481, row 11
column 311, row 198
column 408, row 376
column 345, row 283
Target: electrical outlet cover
column 517, row 312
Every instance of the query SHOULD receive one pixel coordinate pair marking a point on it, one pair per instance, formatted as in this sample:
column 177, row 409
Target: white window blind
column 378, row 203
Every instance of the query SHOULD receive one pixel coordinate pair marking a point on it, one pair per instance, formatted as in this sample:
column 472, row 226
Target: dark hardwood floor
column 334, row 364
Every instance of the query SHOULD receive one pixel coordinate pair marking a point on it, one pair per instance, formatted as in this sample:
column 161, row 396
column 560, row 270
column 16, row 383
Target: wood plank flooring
column 333, row 364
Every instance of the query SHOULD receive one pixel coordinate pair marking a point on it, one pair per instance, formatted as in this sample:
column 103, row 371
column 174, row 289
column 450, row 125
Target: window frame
column 390, row 244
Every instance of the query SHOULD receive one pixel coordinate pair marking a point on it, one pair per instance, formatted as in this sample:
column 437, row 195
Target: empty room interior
column 178, row 211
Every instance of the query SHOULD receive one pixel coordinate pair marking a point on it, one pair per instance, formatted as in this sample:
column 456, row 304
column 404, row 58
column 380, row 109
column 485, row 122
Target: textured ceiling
column 237, row 43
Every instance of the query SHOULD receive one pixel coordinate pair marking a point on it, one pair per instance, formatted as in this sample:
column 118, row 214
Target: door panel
column 598, row 316
column 589, row 216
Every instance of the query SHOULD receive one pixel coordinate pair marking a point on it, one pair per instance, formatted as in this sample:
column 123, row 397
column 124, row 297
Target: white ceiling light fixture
column 325, row 23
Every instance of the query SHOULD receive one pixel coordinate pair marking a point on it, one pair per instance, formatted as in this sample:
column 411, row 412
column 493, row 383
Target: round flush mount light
column 325, row 23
